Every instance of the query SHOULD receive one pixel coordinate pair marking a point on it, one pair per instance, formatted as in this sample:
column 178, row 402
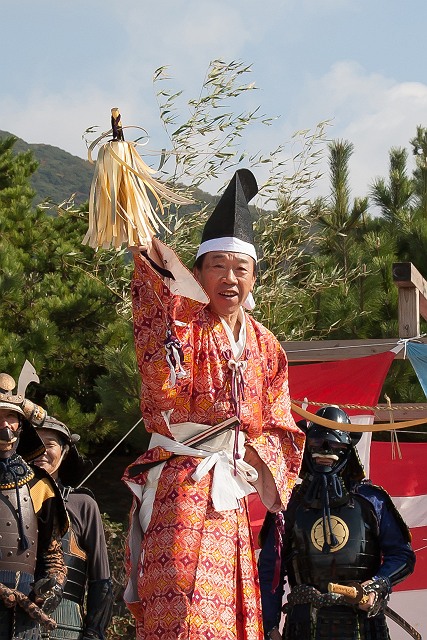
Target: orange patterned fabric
column 198, row 575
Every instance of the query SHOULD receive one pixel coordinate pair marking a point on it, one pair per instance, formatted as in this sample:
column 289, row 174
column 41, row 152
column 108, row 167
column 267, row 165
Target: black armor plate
column 356, row 556
column 75, row 586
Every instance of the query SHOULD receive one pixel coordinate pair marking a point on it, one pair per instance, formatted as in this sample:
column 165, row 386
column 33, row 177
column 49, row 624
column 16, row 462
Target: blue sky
column 358, row 63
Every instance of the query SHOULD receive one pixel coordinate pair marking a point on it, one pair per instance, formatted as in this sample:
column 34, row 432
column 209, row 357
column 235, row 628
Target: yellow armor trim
column 40, row 492
column 75, row 550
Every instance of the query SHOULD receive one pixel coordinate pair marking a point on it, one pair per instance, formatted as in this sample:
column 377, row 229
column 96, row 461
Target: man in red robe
column 203, row 359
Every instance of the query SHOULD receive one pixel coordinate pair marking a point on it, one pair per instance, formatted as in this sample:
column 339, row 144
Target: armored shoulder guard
column 374, row 493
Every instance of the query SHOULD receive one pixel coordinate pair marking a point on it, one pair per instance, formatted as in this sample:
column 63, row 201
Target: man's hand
column 149, row 249
column 380, row 589
column 47, row 594
column 275, row 634
column 136, row 250
column 265, row 481
column 252, row 458
column 366, row 606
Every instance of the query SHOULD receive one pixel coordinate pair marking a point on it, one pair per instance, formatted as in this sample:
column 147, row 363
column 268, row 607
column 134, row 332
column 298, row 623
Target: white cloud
column 58, row 119
column 369, row 108
column 186, row 36
column 373, row 112
column 391, row 124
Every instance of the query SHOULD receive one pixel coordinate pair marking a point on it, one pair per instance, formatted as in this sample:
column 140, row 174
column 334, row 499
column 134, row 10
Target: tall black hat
column 229, row 228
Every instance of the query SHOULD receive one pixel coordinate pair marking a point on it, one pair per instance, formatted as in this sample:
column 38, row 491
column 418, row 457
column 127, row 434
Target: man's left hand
column 366, row 606
column 47, row 594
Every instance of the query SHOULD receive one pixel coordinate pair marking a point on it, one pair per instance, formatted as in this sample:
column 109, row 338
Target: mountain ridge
column 61, row 175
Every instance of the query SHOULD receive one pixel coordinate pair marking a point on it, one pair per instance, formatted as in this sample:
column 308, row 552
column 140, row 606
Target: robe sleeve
column 163, row 316
column 280, row 447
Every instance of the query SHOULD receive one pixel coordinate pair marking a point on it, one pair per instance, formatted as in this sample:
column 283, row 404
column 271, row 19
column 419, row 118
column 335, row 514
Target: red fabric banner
column 400, row 477
column 359, row 381
column 356, row 381
column 405, row 480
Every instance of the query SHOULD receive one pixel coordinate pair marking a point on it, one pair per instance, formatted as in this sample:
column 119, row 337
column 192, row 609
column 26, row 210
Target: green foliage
column 287, row 239
column 122, row 626
column 208, row 143
column 118, row 390
column 395, row 197
column 59, row 311
column 325, row 268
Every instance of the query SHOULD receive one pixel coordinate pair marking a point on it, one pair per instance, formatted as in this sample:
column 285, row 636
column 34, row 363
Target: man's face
column 51, row 459
column 9, row 431
column 326, row 448
column 227, row 278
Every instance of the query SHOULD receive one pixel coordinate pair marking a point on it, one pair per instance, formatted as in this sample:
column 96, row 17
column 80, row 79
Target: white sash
column 231, row 478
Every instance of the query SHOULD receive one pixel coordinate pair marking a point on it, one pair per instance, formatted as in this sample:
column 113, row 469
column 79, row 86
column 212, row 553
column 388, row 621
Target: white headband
column 235, row 246
column 227, row 244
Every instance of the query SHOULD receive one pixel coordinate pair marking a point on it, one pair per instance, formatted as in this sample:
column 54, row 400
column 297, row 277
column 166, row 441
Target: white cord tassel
column 174, row 359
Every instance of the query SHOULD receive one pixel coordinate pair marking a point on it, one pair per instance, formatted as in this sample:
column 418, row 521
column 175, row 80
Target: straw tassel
column 120, row 209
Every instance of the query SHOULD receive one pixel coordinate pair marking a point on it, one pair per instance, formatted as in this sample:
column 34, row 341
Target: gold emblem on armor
column 339, row 529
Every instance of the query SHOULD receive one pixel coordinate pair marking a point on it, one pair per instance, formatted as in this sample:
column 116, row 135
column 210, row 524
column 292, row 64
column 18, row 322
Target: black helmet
column 332, row 413
column 337, row 444
column 61, row 429
column 322, row 440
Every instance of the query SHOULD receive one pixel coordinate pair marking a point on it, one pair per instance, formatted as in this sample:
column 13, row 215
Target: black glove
column 99, row 608
column 47, row 594
column 382, row 589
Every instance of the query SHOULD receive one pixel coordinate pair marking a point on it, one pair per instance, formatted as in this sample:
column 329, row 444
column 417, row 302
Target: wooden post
column 412, row 298
column 409, row 312
column 328, row 350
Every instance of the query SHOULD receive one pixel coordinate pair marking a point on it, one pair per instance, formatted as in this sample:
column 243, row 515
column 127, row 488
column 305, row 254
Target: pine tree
column 60, row 309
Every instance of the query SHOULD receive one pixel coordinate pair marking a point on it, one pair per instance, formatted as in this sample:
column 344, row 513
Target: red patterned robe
column 193, row 573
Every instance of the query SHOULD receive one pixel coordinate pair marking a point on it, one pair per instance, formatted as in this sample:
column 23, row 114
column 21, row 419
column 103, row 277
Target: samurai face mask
column 327, row 449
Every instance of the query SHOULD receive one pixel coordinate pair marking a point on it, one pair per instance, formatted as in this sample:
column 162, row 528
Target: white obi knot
column 231, row 479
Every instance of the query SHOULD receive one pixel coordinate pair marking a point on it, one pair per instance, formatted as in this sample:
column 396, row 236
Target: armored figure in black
column 32, row 521
column 339, row 530
column 85, row 610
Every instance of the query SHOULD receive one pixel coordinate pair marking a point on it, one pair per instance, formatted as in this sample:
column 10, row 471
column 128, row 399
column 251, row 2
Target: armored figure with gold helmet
column 338, row 528
column 32, row 521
